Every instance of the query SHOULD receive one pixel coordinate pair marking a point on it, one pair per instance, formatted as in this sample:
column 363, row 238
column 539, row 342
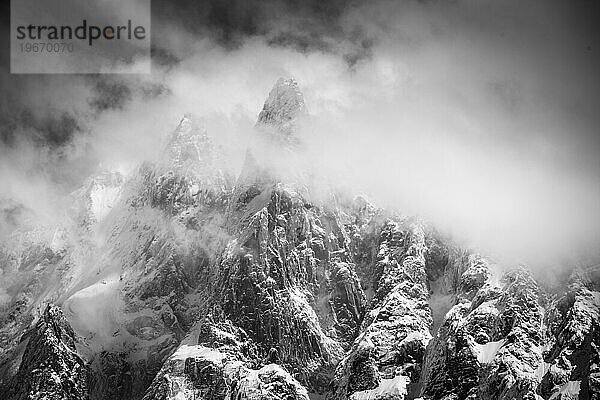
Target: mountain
column 283, row 110
column 50, row 367
column 181, row 281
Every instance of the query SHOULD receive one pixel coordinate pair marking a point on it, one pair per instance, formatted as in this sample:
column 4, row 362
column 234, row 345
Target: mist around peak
column 483, row 125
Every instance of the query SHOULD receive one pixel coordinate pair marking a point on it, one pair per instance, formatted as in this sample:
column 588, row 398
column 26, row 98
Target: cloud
column 481, row 116
column 110, row 95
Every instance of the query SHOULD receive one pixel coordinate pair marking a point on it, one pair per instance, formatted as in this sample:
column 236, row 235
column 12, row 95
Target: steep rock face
column 50, row 366
column 34, row 267
column 512, row 373
column 386, row 357
column 191, row 173
column 288, row 278
column 98, row 195
column 282, row 110
column 197, row 368
column 191, row 181
column 168, row 238
column 211, row 364
column 490, row 343
column 451, row 364
column 162, row 241
column 505, row 340
column 572, row 356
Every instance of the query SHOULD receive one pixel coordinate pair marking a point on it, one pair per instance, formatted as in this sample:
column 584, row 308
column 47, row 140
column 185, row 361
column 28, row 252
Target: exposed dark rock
column 50, row 366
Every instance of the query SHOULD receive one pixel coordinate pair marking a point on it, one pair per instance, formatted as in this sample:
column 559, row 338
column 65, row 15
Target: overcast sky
column 481, row 116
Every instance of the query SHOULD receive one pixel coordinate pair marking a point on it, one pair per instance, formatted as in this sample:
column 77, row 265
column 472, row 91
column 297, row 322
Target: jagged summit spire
column 186, row 128
column 274, row 156
column 283, row 107
column 189, row 143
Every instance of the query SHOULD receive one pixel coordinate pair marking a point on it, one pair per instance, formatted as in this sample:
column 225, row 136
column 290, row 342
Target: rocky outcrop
column 191, row 173
column 282, row 110
column 165, row 238
column 385, row 360
column 572, row 354
column 287, row 276
column 212, row 363
column 504, row 340
column 50, row 367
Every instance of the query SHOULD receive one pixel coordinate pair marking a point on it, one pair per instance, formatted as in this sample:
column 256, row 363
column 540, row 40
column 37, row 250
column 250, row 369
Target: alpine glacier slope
column 179, row 282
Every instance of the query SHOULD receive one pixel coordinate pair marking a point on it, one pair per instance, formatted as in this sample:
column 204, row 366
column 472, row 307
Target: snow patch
column 414, row 336
column 487, row 352
column 97, row 289
column 596, row 296
column 185, row 351
column 395, row 386
column 93, row 310
column 103, row 199
column 570, row 389
column 252, row 386
column 440, row 304
column 543, row 367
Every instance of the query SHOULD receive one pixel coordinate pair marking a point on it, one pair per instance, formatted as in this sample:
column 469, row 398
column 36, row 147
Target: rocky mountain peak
column 274, row 156
column 50, row 366
column 283, row 107
column 192, row 170
column 189, row 144
column 94, row 200
column 53, row 319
